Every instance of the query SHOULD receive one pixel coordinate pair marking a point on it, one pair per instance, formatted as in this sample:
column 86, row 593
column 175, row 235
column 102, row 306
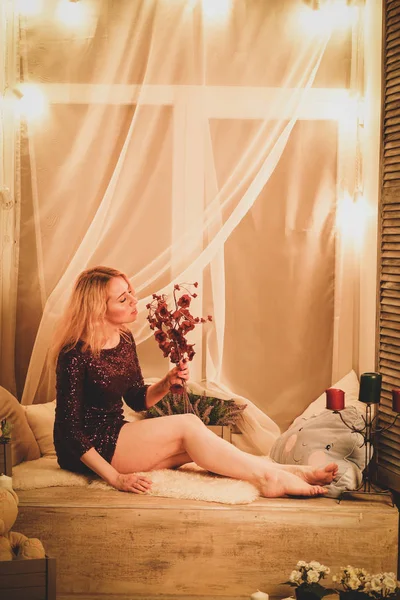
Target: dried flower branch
column 171, row 326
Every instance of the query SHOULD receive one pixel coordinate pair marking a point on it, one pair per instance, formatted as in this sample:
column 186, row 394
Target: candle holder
column 370, row 390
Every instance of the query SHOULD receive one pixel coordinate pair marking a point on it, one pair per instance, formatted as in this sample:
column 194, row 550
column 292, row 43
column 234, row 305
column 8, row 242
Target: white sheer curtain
column 188, row 140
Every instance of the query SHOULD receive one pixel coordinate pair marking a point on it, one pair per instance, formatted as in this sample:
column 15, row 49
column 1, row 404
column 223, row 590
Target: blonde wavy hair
column 84, row 317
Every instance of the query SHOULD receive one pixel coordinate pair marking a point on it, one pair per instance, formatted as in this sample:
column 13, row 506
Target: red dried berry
column 184, row 301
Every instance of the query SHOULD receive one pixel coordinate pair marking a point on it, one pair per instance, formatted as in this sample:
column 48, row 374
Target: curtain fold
column 180, row 144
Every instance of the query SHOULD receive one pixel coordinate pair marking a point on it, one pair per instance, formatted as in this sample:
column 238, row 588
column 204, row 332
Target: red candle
column 396, row 400
column 334, row 399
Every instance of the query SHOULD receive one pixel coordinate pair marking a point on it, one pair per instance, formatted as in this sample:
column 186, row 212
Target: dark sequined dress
column 89, row 411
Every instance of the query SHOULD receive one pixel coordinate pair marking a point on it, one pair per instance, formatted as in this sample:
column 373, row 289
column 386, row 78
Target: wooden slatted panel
column 388, row 446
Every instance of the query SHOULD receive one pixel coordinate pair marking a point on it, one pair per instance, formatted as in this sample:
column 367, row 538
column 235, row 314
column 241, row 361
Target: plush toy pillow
column 322, row 439
column 23, row 443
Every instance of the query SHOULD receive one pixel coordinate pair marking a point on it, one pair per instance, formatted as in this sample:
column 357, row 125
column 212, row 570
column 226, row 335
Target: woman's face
column 121, row 302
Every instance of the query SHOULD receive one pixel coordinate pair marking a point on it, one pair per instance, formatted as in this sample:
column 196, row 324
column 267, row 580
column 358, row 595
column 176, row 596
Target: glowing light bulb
column 341, row 14
column 72, row 13
column 29, row 7
column 216, row 9
column 32, row 103
column 333, row 15
column 352, row 216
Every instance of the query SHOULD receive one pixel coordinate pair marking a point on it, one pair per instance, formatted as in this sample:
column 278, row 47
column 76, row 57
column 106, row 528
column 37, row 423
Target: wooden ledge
column 61, row 497
column 115, row 546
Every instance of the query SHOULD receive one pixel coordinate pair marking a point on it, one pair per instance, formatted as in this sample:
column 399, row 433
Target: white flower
column 389, row 583
column 334, row 578
column 325, row 570
column 354, row 583
column 301, row 563
column 312, row 576
column 295, row 576
column 315, row 565
column 375, row 584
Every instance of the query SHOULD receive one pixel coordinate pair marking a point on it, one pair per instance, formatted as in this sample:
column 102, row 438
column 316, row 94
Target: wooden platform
column 116, row 546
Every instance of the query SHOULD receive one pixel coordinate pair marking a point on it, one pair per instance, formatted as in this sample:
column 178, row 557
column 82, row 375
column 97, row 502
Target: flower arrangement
column 210, row 410
column 383, row 585
column 356, row 581
column 306, row 579
column 5, row 431
column 171, row 326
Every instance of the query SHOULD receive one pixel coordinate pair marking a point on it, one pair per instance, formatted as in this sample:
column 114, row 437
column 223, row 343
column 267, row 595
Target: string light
column 216, row 9
column 213, row 10
column 32, row 102
column 322, row 17
column 29, row 7
column 352, row 216
column 317, row 4
column 72, row 12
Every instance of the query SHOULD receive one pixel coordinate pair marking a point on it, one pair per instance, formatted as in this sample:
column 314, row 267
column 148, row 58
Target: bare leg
column 145, row 445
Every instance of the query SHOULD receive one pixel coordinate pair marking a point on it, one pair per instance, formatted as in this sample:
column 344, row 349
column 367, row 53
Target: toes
column 318, row 490
column 332, row 467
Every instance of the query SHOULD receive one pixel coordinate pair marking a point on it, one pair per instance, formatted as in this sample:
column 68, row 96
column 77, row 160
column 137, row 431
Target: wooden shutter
column 388, row 446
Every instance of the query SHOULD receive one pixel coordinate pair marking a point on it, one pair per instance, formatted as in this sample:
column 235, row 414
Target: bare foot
column 313, row 475
column 283, row 483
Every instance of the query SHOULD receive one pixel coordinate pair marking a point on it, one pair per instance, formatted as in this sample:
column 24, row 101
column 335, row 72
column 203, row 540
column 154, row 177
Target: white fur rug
column 189, row 482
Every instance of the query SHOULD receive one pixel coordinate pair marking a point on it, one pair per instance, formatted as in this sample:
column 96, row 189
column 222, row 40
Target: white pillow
column 41, row 421
column 349, row 384
column 130, row 414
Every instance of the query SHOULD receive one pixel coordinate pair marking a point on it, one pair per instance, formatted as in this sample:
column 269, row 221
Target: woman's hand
column 130, row 482
column 179, row 374
column 173, row 381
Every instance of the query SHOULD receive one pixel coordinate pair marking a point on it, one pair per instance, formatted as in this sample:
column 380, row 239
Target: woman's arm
column 70, row 377
column 126, row 482
column 140, row 396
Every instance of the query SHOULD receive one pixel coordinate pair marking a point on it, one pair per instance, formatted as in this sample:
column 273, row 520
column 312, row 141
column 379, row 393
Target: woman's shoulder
column 127, row 336
column 73, row 353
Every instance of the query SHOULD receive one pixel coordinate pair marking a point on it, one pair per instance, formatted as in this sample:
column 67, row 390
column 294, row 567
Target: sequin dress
column 89, row 411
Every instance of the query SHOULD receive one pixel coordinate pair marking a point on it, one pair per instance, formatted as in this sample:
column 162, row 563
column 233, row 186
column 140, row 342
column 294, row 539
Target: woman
column 97, row 365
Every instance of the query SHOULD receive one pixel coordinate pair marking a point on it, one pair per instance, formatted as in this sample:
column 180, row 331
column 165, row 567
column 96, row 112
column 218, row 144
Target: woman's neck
column 112, row 339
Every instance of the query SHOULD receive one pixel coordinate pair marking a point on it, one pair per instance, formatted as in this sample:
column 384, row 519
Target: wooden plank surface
column 83, row 497
column 27, row 594
column 8, row 581
column 51, row 579
column 151, row 597
column 20, row 567
column 119, row 545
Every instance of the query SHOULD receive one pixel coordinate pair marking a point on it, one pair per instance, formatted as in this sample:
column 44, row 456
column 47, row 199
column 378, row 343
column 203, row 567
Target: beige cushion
column 349, row 384
column 23, row 442
column 41, row 421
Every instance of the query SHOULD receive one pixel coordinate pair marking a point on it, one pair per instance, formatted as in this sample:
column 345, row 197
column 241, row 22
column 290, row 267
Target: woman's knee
column 190, row 421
